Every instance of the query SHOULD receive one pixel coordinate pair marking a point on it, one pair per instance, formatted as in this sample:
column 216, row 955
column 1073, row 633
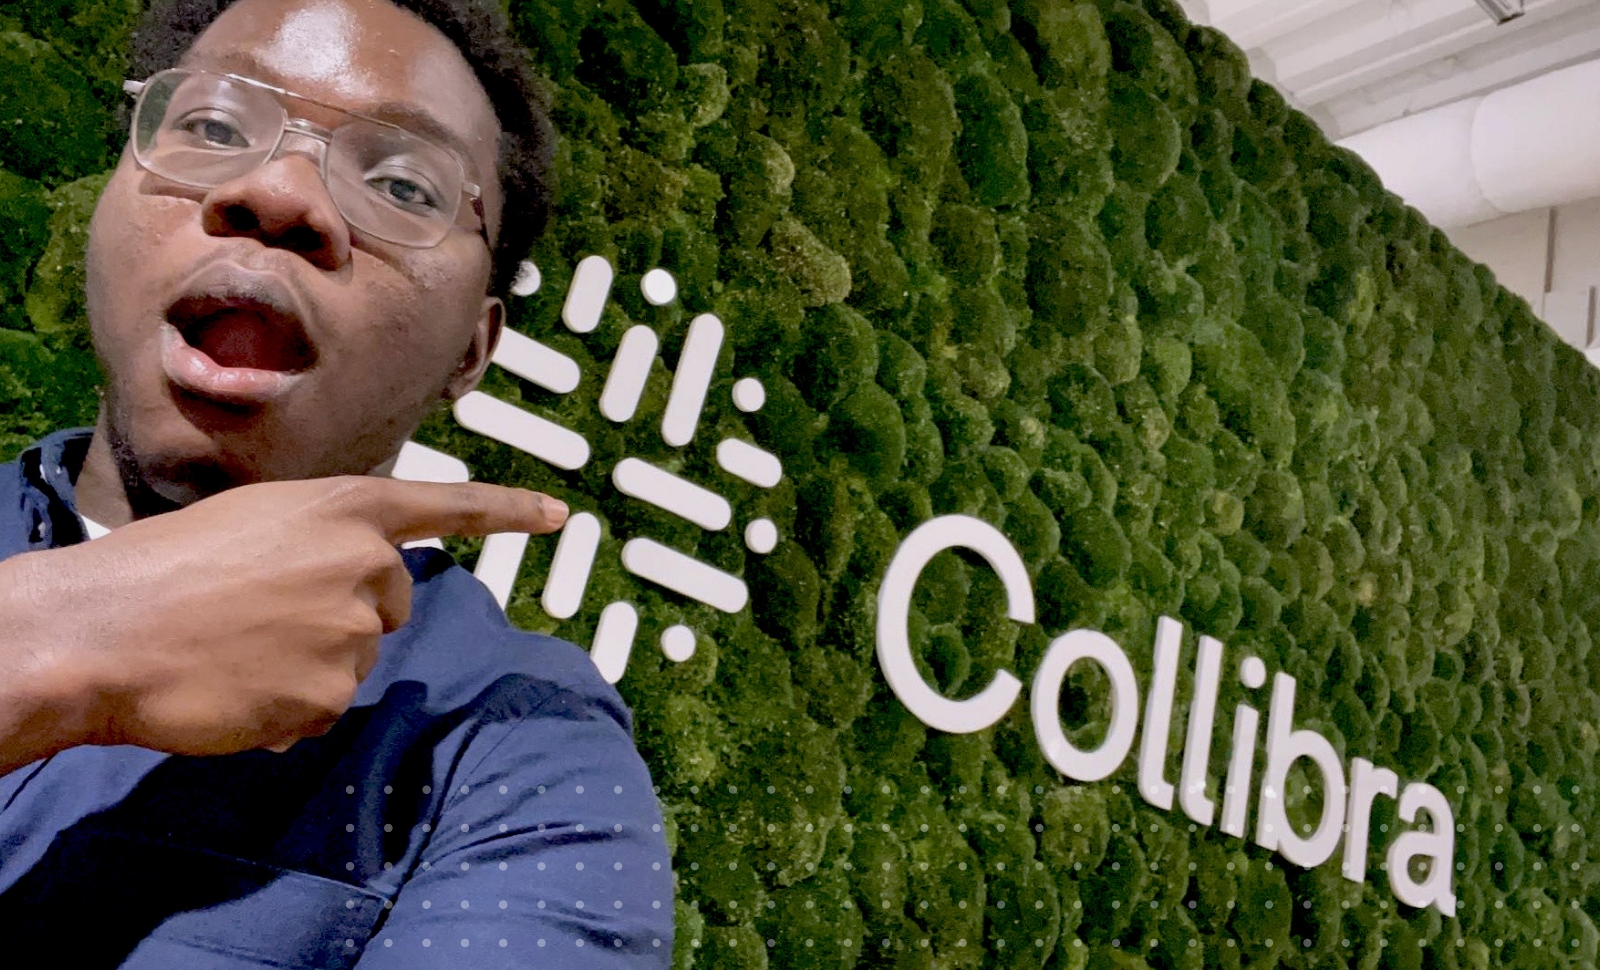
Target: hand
column 245, row 620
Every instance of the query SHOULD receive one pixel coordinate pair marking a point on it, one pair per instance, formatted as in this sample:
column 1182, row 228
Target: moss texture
column 1063, row 265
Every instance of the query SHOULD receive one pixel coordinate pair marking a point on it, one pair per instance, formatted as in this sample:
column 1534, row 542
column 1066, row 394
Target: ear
column 479, row 352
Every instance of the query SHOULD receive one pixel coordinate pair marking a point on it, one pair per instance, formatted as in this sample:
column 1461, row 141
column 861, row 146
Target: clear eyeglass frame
column 362, row 207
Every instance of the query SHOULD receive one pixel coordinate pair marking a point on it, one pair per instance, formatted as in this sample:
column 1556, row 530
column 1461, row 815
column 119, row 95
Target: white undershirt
column 92, row 529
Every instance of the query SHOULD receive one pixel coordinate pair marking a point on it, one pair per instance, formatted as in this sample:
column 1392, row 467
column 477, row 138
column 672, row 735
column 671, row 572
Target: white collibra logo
column 566, row 449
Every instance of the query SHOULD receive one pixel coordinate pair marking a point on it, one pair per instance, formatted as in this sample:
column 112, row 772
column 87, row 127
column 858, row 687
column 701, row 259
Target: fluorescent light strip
column 630, row 368
column 586, row 297
column 613, row 640
column 533, row 361
column 511, row 425
column 651, row 560
column 758, row 467
column 644, row 481
column 692, row 380
column 569, row 570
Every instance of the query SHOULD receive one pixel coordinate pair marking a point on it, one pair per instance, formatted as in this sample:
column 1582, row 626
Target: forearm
column 43, row 705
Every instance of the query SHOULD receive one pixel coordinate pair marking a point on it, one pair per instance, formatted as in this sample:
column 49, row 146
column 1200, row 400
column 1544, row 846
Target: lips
column 236, row 336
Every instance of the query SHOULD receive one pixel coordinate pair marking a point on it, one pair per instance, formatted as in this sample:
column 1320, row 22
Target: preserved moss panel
column 1064, row 266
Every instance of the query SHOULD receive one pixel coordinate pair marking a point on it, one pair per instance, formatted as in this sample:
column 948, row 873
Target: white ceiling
column 1353, row 64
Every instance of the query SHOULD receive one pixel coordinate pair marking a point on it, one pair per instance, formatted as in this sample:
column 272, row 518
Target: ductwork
column 1529, row 146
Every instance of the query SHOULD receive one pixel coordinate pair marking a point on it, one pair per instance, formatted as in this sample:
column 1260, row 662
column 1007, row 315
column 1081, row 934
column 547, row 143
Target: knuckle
column 333, row 698
column 367, row 660
column 365, row 627
column 354, row 627
column 399, row 611
column 367, row 557
column 319, row 724
column 380, row 558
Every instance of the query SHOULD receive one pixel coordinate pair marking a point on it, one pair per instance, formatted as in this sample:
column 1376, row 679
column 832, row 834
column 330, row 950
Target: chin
column 180, row 448
column 166, row 458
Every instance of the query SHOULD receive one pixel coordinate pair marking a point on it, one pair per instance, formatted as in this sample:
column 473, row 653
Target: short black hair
column 480, row 30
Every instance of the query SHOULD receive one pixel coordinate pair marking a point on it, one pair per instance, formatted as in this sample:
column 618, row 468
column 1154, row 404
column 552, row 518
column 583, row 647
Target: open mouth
column 236, row 337
column 242, row 332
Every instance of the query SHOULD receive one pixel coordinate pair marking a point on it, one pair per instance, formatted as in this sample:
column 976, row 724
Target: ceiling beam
column 1562, row 45
column 1259, row 23
column 1436, row 51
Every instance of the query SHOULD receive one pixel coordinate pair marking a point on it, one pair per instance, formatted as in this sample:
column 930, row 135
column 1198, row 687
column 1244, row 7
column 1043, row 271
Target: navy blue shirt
column 480, row 805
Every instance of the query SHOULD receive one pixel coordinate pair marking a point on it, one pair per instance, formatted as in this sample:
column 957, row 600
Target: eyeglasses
column 202, row 129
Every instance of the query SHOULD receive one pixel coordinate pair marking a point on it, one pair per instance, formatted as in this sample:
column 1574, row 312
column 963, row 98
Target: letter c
column 894, row 613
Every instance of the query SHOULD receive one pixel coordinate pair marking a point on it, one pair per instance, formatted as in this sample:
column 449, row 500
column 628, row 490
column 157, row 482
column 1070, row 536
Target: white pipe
column 1529, row 146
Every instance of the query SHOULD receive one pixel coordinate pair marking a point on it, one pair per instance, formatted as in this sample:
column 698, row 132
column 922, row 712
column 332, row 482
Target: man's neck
column 109, row 488
column 101, row 495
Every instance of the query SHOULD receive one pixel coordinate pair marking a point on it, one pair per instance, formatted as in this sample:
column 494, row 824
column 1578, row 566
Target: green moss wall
column 1061, row 265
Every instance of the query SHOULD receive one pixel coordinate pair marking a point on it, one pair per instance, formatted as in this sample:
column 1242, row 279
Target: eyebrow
column 420, row 122
column 402, row 114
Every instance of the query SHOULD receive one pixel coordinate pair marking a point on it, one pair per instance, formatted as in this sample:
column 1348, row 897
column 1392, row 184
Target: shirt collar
column 49, row 472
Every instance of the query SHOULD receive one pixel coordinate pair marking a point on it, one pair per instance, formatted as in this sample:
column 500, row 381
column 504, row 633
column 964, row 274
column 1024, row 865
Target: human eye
column 404, row 188
column 213, row 129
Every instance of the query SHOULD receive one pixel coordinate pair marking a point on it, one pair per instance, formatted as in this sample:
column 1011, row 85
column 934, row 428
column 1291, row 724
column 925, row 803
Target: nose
column 283, row 204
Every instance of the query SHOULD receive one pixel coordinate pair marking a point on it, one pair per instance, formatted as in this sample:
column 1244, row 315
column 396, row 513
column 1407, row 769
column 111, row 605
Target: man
column 241, row 729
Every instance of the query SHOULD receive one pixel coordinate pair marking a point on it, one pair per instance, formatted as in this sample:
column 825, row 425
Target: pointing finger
column 408, row 511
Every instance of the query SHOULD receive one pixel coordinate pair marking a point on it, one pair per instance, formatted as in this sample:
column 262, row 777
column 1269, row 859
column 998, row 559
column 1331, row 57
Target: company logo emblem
column 636, row 478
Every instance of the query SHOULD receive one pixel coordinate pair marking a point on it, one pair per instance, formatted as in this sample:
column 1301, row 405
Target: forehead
column 367, row 56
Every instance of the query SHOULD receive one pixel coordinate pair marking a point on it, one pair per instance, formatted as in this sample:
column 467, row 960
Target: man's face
column 247, row 332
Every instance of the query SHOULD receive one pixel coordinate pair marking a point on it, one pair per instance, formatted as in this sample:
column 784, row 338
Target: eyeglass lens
column 206, row 129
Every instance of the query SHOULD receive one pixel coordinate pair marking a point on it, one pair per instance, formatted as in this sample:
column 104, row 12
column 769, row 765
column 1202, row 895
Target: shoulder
column 460, row 645
column 36, row 491
column 13, row 510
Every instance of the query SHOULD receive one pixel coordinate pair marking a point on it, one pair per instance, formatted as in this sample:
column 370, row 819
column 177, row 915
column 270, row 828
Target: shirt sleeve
column 548, row 853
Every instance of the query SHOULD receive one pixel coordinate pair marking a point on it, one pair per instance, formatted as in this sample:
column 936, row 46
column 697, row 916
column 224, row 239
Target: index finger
column 407, row 511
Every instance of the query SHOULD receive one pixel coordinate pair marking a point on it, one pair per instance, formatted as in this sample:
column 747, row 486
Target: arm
column 549, row 853
column 43, row 702
column 244, row 620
